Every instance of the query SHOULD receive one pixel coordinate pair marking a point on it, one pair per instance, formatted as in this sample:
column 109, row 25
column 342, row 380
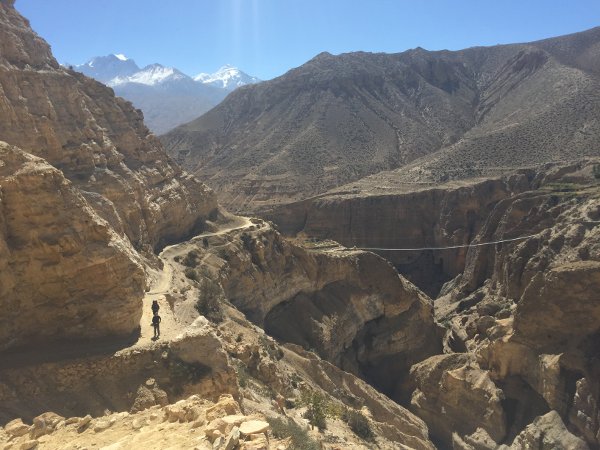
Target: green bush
column 209, row 301
column 191, row 259
column 247, row 240
column 358, row 423
column 300, row 439
column 191, row 274
column 315, row 412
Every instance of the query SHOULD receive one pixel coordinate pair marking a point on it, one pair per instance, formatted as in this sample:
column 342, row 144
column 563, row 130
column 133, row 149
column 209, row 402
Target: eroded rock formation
column 56, row 255
column 73, row 217
column 449, row 215
column 352, row 308
column 99, row 141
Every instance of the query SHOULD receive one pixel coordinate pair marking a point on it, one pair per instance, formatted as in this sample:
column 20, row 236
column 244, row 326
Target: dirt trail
column 170, row 327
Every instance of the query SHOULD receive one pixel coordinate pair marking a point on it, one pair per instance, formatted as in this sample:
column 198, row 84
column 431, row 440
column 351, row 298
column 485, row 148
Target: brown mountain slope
column 339, row 118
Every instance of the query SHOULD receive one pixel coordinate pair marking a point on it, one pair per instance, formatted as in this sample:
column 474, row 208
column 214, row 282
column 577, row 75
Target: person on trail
column 155, row 307
column 156, row 325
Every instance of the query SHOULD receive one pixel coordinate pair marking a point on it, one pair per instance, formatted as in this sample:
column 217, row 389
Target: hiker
column 156, row 325
column 155, row 307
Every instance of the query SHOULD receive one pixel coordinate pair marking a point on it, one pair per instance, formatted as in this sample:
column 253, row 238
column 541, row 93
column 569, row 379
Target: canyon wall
column 97, row 140
column 85, row 190
column 351, row 308
column 444, row 216
column 520, row 360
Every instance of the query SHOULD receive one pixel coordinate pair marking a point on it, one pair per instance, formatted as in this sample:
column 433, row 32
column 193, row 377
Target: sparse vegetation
column 358, row 423
column 191, row 259
column 270, row 348
column 316, row 409
column 247, row 240
column 186, row 373
column 300, row 439
column 191, row 274
column 209, row 300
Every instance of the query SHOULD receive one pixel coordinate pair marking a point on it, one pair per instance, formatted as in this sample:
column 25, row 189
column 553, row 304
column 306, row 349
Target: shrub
column 182, row 373
column 300, row 439
column 191, row 274
column 209, row 301
column 247, row 240
column 358, row 423
column 191, row 259
column 596, row 171
column 315, row 412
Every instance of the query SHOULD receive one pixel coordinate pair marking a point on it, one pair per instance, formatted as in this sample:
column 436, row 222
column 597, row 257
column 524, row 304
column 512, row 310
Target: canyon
column 405, row 309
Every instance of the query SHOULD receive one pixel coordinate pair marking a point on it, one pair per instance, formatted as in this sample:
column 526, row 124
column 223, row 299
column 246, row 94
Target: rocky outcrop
column 444, row 216
column 56, row 255
column 131, row 380
column 352, row 308
column 99, row 141
column 528, row 311
column 453, row 395
column 73, row 217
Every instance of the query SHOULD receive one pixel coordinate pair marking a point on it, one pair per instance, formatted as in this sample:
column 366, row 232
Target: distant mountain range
column 426, row 116
column 166, row 96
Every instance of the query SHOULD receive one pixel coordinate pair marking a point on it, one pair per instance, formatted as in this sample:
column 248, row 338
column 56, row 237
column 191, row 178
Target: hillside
column 337, row 119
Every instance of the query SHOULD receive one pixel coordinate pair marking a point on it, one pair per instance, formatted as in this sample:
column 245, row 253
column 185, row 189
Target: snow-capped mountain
column 167, row 96
column 105, row 68
column 151, row 75
column 227, row 77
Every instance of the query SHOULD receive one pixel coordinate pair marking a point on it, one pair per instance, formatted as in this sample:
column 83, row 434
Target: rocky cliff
column 56, row 255
column 520, row 363
column 97, row 140
column 427, row 217
column 87, row 189
column 352, row 308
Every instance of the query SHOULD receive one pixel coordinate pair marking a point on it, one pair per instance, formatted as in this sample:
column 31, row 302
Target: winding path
column 170, row 327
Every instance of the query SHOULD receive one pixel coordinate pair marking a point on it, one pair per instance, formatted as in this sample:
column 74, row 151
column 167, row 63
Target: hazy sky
column 266, row 38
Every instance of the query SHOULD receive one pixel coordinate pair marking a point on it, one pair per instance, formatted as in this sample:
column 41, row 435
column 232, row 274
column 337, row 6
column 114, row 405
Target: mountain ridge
column 167, row 96
column 337, row 119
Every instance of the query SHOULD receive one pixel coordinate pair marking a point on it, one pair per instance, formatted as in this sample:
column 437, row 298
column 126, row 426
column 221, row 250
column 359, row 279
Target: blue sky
column 265, row 38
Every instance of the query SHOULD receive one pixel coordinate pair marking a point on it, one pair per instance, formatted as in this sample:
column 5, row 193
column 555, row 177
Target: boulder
column 453, row 394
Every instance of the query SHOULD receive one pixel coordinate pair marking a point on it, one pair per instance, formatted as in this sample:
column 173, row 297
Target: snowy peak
column 150, row 75
column 227, row 77
column 105, row 68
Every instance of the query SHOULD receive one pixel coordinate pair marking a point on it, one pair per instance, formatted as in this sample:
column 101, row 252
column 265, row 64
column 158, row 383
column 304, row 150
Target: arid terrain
column 411, row 309
column 433, row 116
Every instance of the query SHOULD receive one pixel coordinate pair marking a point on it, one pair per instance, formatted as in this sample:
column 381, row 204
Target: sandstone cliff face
column 352, row 308
column 74, row 219
column 522, row 317
column 97, row 140
column 57, row 257
column 528, row 310
column 431, row 217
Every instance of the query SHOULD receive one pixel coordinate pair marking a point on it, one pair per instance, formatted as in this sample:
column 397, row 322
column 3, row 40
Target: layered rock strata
column 444, row 216
column 88, row 188
column 99, row 141
column 352, row 308
column 528, row 313
column 56, row 255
